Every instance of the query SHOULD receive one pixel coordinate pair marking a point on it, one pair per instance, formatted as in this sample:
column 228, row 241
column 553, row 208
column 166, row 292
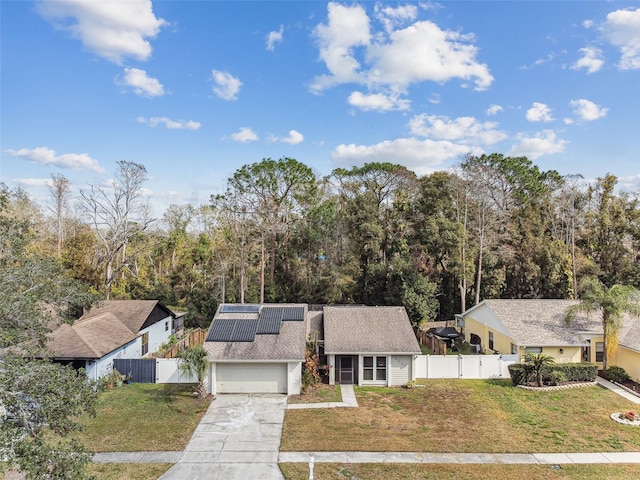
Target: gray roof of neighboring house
column 132, row 313
column 353, row 330
column 541, row 322
column 630, row 333
column 90, row 338
column 289, row 344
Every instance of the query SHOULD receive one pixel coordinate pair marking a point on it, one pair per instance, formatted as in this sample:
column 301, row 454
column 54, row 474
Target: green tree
column 612, row 303
column 193, row 361
column 38, row 399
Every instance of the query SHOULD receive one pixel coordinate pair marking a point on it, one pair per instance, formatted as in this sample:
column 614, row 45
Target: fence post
column 311, row 461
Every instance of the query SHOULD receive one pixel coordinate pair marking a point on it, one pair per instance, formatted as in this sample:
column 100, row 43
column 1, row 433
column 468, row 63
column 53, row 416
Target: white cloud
column 622, row 30
column 392, row 17
column 466, row 130
column 421, row 156
column 32, row 182
column 591, row 60
column 226, row 85
column 588, row 111
column 539, row 112
column 395, row 58
column 543, row 143
column 113, row 30
column 273, row 38
column 494, row 109
column 245, row 134
column 170, row 124
column 294, row 138
column 378, row 101
column 46, row 156
column 141, row 83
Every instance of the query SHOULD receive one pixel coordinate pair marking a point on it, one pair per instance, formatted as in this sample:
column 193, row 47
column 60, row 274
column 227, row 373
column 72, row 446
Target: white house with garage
column 261, row 348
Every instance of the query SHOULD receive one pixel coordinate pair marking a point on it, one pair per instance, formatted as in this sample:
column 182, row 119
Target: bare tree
column 117, row 214
column 60, row 190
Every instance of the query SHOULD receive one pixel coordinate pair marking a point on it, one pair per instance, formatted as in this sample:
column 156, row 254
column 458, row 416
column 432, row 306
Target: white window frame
column 375, row 369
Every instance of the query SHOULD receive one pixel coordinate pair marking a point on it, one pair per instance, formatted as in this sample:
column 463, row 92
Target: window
column 514, row 349
column 599, row 351
column 166, row 326
column 490, row 340
column 145, row 343
column 374, row 368
column 534, row 350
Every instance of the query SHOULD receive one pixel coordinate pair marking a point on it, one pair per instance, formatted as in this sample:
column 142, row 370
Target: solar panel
column 271, row 313
column 293, row 313
column 244, row 331
column 240, row 308
column 268, row 326
column 221, row 330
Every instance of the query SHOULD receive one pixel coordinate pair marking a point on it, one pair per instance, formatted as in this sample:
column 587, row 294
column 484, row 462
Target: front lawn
column 143, row 417
column 466, row 416
column 377, row 471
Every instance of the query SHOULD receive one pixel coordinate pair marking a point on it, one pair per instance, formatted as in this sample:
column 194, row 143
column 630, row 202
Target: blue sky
column 193, row 90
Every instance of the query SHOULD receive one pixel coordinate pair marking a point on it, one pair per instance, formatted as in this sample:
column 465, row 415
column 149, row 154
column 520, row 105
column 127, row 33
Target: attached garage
column 251, row 377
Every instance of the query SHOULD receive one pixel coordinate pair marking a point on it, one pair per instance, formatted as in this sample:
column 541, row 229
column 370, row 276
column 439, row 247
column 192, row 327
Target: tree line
column 493, row 227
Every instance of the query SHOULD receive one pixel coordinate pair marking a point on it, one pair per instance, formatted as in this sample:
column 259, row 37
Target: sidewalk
column 348, row 400
column 620, row 391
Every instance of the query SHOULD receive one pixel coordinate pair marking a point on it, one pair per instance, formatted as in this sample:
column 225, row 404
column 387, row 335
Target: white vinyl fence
column 464, row 366
column 168, row 371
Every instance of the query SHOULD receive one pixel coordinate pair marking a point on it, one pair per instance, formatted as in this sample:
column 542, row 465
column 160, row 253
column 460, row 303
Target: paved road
column 238, row 438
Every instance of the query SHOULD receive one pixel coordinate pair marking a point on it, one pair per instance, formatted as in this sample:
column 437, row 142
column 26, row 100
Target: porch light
column 561, row 351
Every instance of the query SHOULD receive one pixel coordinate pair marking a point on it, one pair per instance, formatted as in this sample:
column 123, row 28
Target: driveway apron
column 238, row 438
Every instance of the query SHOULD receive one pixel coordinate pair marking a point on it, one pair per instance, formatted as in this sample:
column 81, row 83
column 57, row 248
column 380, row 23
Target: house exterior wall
column 102, row 366
column 159, row 333
column 401, row 369
column 501, row 341
column 571, row 354
column 629, row 360
column 294, row 378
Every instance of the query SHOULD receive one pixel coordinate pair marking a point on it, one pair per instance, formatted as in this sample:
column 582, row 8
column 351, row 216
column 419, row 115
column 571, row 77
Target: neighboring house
column 538, row 326
column 261, row 348
column 112, row 329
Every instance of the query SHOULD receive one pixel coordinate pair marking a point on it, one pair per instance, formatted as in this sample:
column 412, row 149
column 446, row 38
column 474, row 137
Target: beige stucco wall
column 501, row 342
column 629, row 360
column 568, row 355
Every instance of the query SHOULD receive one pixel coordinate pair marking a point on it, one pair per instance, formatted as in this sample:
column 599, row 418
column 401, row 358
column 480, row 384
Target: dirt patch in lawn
column 465, row 416
column 318, row 394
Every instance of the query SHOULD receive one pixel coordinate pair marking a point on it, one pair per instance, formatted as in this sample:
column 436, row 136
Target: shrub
column 616, row 374
column 574, row 372
column 558, row 377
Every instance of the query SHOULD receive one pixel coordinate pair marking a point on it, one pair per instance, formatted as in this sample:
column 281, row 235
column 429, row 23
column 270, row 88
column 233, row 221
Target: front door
column 346, row 370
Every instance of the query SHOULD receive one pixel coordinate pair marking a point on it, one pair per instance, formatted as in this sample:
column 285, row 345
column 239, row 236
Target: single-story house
column 112, row 329
column 538, row 326
column 261, row 348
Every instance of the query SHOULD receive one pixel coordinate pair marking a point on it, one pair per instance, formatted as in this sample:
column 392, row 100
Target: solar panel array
column 240, row 308
column 244, row 330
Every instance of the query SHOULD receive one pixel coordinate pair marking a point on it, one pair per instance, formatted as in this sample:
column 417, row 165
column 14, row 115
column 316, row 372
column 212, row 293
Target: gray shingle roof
column 90, row 338
column 133, row 313
column 541, row 322
column 630, row 333
column 351, row 330
column 289, row 344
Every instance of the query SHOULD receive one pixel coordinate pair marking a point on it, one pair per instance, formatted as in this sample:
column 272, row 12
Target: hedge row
column 522, row 374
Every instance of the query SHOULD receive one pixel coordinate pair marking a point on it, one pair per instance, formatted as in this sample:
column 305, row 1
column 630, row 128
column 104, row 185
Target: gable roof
column 134, row 314
column 535, row 322
column 288, row 344
column 354, row 330
column 90, row 338
column 630, row 333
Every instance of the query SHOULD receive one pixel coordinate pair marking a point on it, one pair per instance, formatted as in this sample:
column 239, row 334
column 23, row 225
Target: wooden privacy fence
column 141, row 370
column 195, row 338
column 437, row 346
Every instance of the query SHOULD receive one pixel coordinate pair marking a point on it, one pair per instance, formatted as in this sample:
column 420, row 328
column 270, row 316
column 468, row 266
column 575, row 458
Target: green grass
column 143, row 417
column 466, row 416
column 127, row 471
column 377, row 471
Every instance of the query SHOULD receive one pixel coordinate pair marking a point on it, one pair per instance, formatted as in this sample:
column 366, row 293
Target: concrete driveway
column 238, row 438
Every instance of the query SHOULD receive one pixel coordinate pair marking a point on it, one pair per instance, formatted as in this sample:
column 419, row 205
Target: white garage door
column 251, row 378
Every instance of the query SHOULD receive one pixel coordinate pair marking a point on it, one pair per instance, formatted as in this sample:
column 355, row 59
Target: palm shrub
column 537, row 364
column 193, row 361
